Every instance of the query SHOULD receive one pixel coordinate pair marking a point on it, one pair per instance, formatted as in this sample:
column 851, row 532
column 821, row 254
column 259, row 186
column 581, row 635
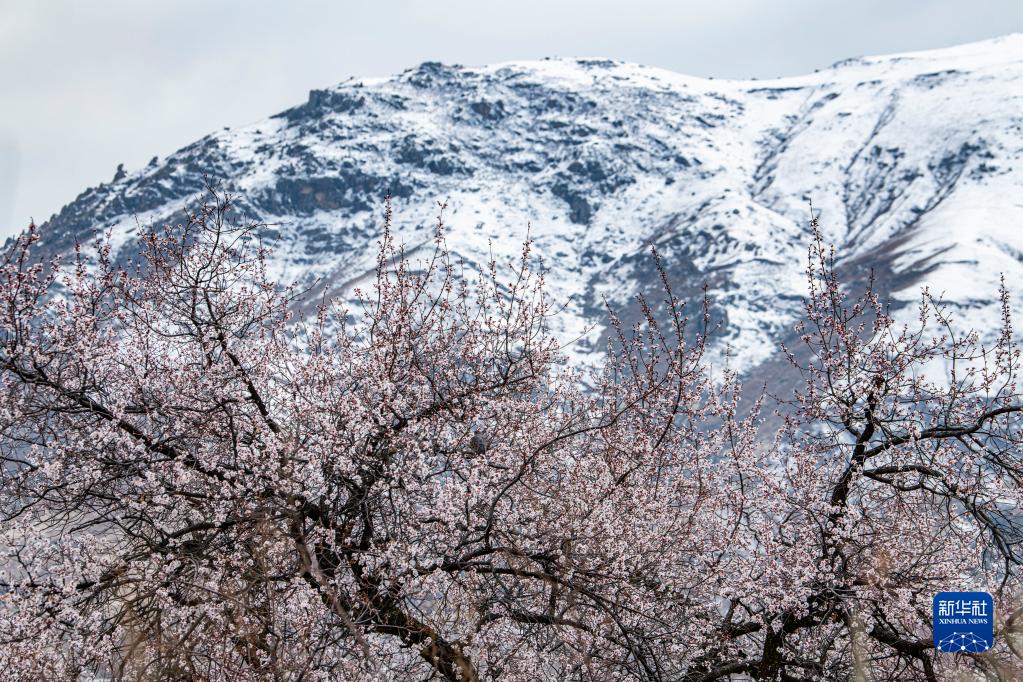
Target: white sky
column 87, row 85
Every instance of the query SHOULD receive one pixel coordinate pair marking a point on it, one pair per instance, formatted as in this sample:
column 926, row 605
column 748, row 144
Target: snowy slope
column 913, row 161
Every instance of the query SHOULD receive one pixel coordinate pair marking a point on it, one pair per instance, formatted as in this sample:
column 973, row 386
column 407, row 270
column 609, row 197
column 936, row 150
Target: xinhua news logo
column 964, row 622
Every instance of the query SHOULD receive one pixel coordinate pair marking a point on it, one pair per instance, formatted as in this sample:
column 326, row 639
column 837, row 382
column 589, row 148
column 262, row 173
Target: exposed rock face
column 913, row 161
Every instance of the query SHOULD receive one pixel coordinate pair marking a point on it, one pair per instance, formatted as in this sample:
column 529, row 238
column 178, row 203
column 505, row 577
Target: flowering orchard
column 197, row 484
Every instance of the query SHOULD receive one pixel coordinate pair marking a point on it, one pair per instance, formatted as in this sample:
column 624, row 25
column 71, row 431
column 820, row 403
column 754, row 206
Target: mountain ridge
column 911, row 160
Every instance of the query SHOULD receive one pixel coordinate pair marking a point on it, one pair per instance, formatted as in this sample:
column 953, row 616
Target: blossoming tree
column 199, row 483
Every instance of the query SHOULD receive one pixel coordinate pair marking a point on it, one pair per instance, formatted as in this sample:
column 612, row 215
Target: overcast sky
column 88, row 85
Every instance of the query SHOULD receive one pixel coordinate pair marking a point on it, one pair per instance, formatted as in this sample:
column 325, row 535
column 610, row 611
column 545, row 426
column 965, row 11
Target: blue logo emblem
column 964, row 621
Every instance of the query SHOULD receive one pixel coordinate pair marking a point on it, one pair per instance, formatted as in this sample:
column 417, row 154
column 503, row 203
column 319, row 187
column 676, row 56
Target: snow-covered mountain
column 913, row 161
